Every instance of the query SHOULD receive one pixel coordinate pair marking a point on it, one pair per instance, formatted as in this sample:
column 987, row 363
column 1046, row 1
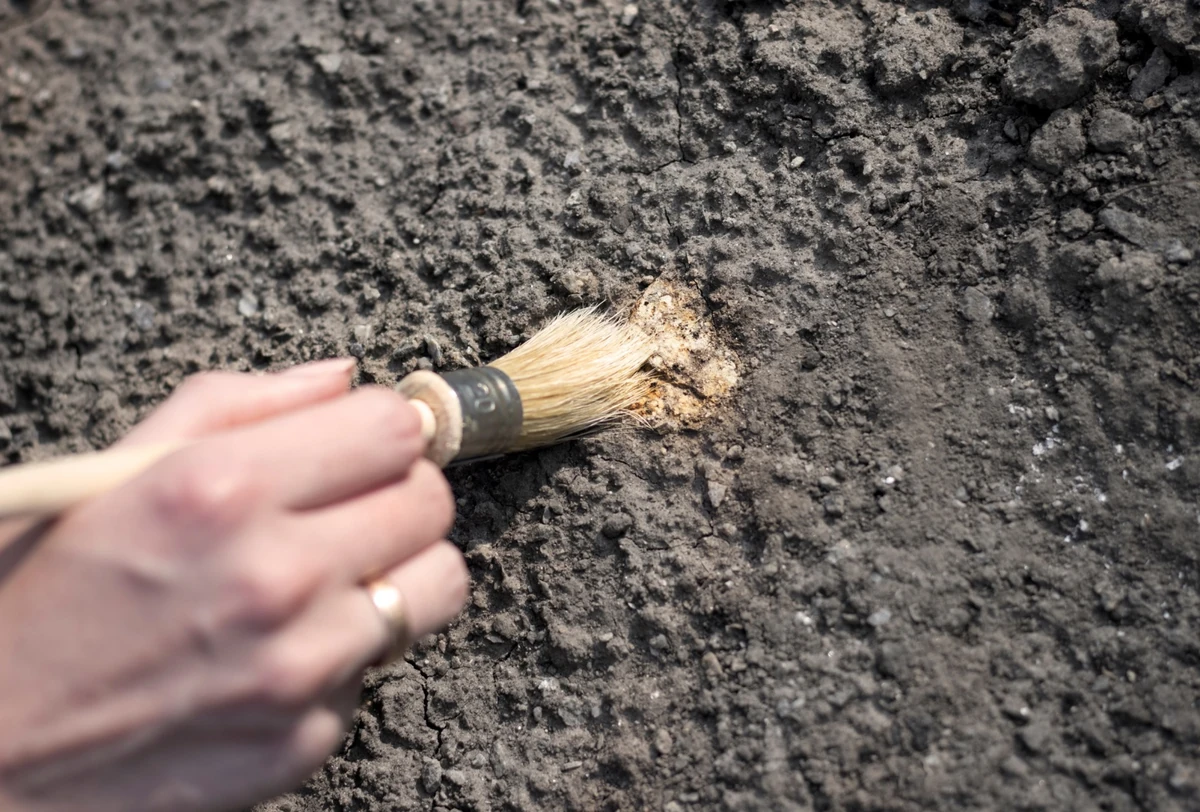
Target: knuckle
column 291, row 676
column 269, row 593
column 319, row 735
column 200, row 490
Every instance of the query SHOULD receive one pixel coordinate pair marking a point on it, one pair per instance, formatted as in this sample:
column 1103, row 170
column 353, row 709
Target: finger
column 214, row 401
column 320, row 733
column 320, row 651
column 18, row 538
column 323, row 454
column 375, row 532
column 337, row 637
column 434, row 585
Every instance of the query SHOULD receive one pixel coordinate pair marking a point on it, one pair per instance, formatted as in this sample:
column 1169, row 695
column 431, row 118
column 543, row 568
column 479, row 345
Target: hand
column 196, row 639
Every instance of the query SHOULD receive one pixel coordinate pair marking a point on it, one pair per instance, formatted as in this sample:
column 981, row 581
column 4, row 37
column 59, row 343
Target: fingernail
column 327, row 367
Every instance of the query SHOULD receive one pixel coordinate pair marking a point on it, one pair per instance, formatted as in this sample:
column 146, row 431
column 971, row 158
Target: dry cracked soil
column 936, row 549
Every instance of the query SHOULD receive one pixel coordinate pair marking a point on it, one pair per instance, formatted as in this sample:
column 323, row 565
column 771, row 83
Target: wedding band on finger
column 389, row 602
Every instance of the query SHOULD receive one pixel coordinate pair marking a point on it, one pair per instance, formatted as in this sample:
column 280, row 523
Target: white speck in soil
column 1175, row 252
column 88, row 200
column 143, row 316
column 330, row 64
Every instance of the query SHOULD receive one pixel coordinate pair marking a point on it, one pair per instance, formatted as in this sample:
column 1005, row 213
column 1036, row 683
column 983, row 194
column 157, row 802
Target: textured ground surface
column 939, row 549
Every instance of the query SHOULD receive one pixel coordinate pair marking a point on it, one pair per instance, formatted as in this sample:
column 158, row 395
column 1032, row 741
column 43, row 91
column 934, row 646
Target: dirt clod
column 1058, row 62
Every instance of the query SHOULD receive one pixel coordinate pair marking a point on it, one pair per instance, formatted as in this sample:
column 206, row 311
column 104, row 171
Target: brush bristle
column 581, row 371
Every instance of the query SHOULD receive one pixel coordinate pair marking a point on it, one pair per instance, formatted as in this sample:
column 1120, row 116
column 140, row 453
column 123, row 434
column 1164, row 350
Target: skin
column 196, row 639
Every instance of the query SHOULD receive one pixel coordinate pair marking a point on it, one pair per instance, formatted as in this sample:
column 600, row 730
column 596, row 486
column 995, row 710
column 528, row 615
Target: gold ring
column 390, row 605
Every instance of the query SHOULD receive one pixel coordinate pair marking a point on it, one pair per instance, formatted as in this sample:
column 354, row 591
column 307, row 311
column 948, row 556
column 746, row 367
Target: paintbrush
column 578, row 374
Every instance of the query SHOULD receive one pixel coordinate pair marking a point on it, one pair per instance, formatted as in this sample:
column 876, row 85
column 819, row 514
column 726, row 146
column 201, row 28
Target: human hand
column 196, row 639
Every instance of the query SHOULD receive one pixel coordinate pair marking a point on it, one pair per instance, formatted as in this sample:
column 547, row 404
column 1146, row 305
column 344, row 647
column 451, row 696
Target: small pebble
column 248, row 305
column 88, row 200
column 434, row 350
column 879, row 618
column 616, row 525
column 629, row 14
column 1183, row 778
column 835, row 506
column 1076, row 223
column 1059, row 143
column 330, row 64
column 663, row 742
column 431, row 776
column 1113, row 131
column 1152, row 76
column 143, row 315
column 1175, row 252
column 977, row 306
column 1035, row 736
column 716, row 492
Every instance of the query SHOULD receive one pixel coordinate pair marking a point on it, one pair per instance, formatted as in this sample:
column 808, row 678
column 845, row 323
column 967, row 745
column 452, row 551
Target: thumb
column 214, row 401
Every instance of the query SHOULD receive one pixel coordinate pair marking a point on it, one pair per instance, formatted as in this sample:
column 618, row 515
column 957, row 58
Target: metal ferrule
column 491, row 411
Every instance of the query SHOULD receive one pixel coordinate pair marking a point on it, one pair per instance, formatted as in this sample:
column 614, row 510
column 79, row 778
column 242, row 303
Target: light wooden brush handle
column 50, row 487
column 47, row 488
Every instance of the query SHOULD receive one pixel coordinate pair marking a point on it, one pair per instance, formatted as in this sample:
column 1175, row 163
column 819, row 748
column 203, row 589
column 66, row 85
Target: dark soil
column 939, row 550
